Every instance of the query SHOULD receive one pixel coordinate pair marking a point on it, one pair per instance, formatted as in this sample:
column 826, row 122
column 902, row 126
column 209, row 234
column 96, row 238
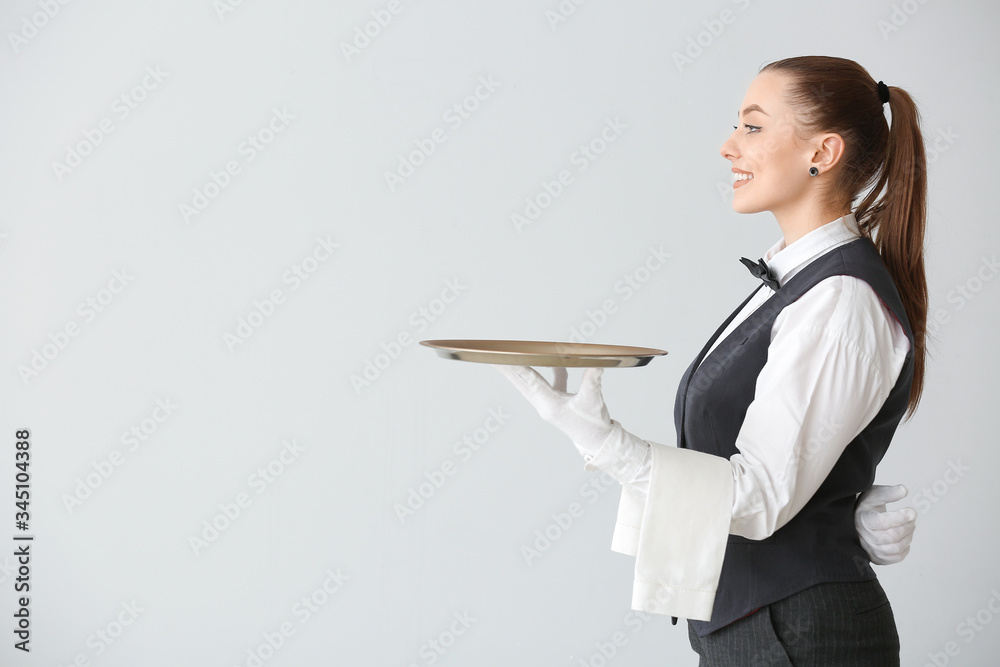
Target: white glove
column 582, row 416
column 886, row 536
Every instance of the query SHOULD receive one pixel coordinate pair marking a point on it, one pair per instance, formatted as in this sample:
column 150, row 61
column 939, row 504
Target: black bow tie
column 761, row 270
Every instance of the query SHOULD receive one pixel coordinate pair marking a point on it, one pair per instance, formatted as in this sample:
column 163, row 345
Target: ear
column 829, row 148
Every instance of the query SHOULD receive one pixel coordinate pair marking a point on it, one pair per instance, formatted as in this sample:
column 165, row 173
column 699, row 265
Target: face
column 766, row 150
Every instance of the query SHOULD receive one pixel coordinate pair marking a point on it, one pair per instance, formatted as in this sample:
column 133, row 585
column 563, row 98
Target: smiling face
column 769, row 158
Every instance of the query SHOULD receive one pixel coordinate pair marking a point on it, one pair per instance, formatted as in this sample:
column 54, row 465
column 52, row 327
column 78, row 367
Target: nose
column 729, row 150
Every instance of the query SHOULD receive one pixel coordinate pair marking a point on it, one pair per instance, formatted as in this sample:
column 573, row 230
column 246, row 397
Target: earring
column 813, row 171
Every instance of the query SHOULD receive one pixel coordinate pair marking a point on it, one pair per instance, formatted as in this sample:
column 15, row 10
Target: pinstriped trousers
column 828, row 625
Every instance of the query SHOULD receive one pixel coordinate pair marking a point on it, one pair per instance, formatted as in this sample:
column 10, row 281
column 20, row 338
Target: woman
column 747, row 528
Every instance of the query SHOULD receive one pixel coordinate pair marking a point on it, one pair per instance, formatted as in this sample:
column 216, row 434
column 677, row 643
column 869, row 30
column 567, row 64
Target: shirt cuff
column 622, row 455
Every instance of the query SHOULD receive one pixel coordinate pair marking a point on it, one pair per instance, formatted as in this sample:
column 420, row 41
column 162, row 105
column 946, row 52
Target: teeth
column 742, row 177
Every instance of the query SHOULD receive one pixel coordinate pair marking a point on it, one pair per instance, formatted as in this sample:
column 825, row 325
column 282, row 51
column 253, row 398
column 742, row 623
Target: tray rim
column 464, row 349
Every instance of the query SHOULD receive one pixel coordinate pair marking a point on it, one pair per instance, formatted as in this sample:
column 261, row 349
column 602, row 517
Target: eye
column 751, row 128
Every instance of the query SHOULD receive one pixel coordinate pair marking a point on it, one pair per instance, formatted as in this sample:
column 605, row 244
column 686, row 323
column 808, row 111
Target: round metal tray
column 544, row 353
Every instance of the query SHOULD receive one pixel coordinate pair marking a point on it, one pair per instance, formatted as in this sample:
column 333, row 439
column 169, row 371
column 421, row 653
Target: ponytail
column 897, row 220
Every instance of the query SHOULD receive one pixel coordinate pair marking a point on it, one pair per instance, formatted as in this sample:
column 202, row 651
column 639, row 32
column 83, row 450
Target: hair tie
column 883, row 92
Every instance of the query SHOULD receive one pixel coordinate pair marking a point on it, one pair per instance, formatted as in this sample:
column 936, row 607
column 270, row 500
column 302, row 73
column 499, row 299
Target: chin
column 745, row 207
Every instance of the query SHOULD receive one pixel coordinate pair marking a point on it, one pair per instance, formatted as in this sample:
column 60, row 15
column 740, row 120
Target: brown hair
column 838, row 95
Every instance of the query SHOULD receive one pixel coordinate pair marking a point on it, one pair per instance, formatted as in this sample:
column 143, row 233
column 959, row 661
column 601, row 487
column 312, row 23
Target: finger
column 510, row 372
column 886, row 520
column 891, row 534
column 880, row 495
column 589, row 399
column 895, row 558
column 516, row 374
column 891, row 539
column 559, row 377
column 896, row 549
column 890, row 558
column 527, row 380
column 886, row 539
column 591, row 383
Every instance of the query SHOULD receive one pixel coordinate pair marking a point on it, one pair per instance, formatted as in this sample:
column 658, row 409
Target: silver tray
column 544, row 353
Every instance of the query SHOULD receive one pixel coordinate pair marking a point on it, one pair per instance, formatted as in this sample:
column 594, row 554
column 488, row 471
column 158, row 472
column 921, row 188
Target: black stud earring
column 813, row 171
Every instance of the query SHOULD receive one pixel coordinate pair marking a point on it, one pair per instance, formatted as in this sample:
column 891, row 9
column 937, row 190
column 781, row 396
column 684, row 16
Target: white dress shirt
column 834, row 356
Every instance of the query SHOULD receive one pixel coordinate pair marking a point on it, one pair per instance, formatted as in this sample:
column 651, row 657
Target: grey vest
column 820, row 543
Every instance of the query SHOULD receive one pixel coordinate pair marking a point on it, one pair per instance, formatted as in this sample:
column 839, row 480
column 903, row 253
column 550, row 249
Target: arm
column 834, row 357
column 836, row 351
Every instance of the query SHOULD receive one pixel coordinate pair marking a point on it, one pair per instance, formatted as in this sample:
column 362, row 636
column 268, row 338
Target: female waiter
column 747, row 528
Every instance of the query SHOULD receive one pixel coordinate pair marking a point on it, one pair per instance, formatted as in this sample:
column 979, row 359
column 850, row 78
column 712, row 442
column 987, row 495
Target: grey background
column 660, row 184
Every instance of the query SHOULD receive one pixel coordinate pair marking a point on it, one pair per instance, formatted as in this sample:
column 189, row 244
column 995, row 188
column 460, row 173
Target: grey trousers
column 828, row 625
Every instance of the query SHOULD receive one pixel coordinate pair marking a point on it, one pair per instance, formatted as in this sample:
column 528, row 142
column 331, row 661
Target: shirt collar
column 785, row 261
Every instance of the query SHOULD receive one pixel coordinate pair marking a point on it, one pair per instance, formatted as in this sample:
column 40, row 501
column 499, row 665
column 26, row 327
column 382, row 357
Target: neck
column 798, row 220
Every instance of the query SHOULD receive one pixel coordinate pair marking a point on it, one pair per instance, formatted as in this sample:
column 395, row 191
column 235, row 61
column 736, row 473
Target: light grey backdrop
column 211, row 293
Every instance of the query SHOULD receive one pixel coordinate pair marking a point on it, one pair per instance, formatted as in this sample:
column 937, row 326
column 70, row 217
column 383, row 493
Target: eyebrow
column 752, row 107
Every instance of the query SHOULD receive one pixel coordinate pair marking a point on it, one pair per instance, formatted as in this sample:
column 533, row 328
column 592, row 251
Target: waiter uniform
column 795, row 400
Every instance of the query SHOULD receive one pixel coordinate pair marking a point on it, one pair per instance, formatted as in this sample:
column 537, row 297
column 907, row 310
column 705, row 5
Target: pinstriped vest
column 819, row 544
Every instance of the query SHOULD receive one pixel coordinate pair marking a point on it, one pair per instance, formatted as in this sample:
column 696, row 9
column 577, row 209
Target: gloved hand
column 885, row 535
column 582, row 416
